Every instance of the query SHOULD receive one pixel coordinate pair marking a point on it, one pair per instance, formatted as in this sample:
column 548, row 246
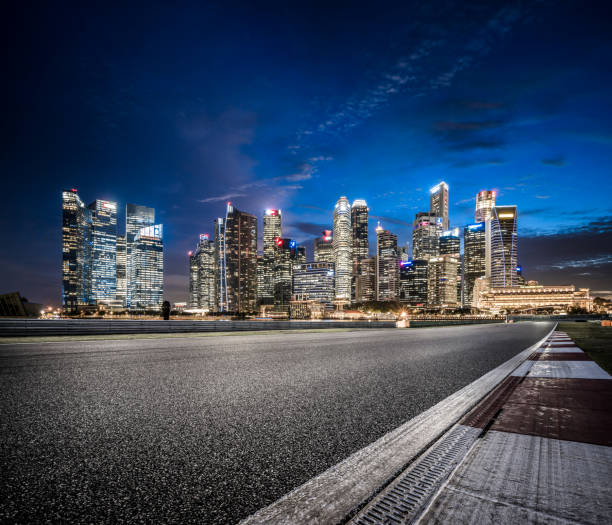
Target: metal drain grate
column 401, row 501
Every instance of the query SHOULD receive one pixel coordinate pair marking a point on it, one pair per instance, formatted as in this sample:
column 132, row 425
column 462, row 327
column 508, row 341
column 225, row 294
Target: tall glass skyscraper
column 286, row 254
column 136, row 218
column 504, row 259
column 146, row 290
column 413, row 282
column 323, row 247
column 103, row 251
column 438, row 203
column 426, row 231
column 359, row 238
column 121, row 270
column 442, row 281
column 76, row 252
column 220, row 265
column 474, row 259
column 387, row 268
column 314, row 281
column 342, row 249
column 450, row 244
column 485, row 202
column 202, row 275
column 272, row 229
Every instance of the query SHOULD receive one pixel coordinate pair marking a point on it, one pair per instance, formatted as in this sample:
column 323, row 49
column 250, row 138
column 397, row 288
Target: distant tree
column 166, row 310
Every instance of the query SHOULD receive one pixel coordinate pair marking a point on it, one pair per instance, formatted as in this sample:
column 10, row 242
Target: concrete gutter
column 336, row 494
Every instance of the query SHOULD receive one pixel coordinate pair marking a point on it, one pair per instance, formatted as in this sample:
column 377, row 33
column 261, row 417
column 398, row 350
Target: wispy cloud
column 542, row 196
column 226, row 197
column 557, row 161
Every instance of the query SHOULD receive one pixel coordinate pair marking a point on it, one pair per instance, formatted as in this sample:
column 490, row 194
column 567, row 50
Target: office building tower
column 359, row 239
column 323, row 248
column 485, row 202
column 239, row 265
column 342, row 249
column 442, row 281
column 103, row 251
column 450, row 244
column 146, row 290
column 387, row 268
column 314, row 282
column 365, row 289
column 504, row 258
column 120, row 295
column 474, row 259
column 136, row 218
column 438, row 203
column 413, row 282
column 286, row 255
column 202, row 275
column 220, row 260
column 76, row 251
column 426, row 231
column 272, row 229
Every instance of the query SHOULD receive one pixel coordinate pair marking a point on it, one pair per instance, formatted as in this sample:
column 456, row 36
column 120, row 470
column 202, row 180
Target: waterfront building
column 323, row 247
column 103, row 251
column 366, row 281
column 137, row 217
column 438, row 203
column 450, row 244
column 342, row 249
column 359, row 240
column 202, row 275
column 76, row 251
column 314, row 282
column 147, row 286
column 238, row 261
column 474, row 259
column 485, row 202
column 272, row 229
column 442, row 281
column 413, row 282
column 503, row 239
column 220, row 266
column 426, row 230
column 387, row 268
column 120, row 295
column 286, row 255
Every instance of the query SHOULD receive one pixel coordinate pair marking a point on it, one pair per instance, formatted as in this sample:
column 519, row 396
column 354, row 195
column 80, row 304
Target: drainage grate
column 402, row 501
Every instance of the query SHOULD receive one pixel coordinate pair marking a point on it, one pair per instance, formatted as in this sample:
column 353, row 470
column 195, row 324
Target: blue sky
column 291, row 107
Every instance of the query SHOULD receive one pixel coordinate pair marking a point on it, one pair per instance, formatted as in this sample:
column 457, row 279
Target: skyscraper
column 147, row 286
column 504, row 246
column 314, row 282
column 438, row 203
column 342, row 249
column 359, row 239
column 413, row 282
column 474, row 259
column 450, row 244
column 272, row 229
column 202, row 275
column 103, row 251
column 120, row 295
column 136, row 218
column 387, row 268
column 323, row 248
column 76, row 251
column 286, row 254
column 239, row 264
column 366, row 281
column 220, row 266
column 442, row 281
column 485, row 201
column 426, row 231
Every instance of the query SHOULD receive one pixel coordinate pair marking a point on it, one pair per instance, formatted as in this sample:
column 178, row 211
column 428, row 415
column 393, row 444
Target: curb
column 337, row 494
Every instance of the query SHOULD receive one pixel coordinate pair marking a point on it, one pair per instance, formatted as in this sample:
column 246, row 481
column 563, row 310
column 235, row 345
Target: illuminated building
column 503, row 246
column 286, row 255
column 76, row 250
column 323, row 248
column 485, row 202
column 238, row 262
column 136, row 218
column 272, row 229
column 442, row 281
column 474, row 259
column 103, row 251
column 120, row 295
column 450, row 244
column 202, row 275
column 342, row 249
column 387, row 269
column 426, row 230
column 147, row 286
column 413, row 282
column 366, row 281
column 314, row 282
column 221, row 274
column 533, row 297
column 438, row 203
column 359, row 239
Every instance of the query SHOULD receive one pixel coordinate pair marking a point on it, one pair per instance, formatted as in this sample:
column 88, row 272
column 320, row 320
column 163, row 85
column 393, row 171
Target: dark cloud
column 310, row 228
column 473, row 163
column 467, row 126
column 389, row 219
column 558, row 161
column 476, row 145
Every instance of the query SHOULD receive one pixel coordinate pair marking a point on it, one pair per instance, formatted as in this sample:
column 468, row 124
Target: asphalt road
column 211, row 429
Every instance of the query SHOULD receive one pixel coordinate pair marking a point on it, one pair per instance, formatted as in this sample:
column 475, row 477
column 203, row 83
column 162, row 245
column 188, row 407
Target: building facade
column 137, row 217
column 426, row 230
column 103, row 251
column 387, row 268
column 324, row 248
column 272, row 229
column 485, row 202
column 121, row 294
column 442, row 281
column 474, row 259
column 413, row 282
column 503, row 239
column 438, row 203
column 359, row 240
column 314, row 282
column 534, row 297
column 286, row 255
column 203, row 275
column 147, row 286
column 342, row 249
column 450, row 244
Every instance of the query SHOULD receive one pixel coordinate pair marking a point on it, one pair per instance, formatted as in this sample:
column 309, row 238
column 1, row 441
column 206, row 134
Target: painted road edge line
column 337, row 493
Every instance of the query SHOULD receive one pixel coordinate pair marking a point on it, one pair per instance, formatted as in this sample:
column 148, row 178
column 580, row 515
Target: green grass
column 106, row 337
column 594, row 339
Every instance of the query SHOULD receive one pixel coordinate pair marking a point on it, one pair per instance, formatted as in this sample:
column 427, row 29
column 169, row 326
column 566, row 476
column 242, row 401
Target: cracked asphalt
column 209, row 430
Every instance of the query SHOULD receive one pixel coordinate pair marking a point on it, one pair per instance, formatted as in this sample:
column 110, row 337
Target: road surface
column 211, row 429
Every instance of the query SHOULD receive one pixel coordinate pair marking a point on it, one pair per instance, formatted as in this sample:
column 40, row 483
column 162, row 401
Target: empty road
column 211, row 429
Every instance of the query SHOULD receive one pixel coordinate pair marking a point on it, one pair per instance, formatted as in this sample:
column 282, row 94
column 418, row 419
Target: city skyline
column 495, row 102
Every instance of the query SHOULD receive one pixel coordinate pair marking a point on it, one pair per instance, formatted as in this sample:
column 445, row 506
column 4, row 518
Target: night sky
column 292, row 106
